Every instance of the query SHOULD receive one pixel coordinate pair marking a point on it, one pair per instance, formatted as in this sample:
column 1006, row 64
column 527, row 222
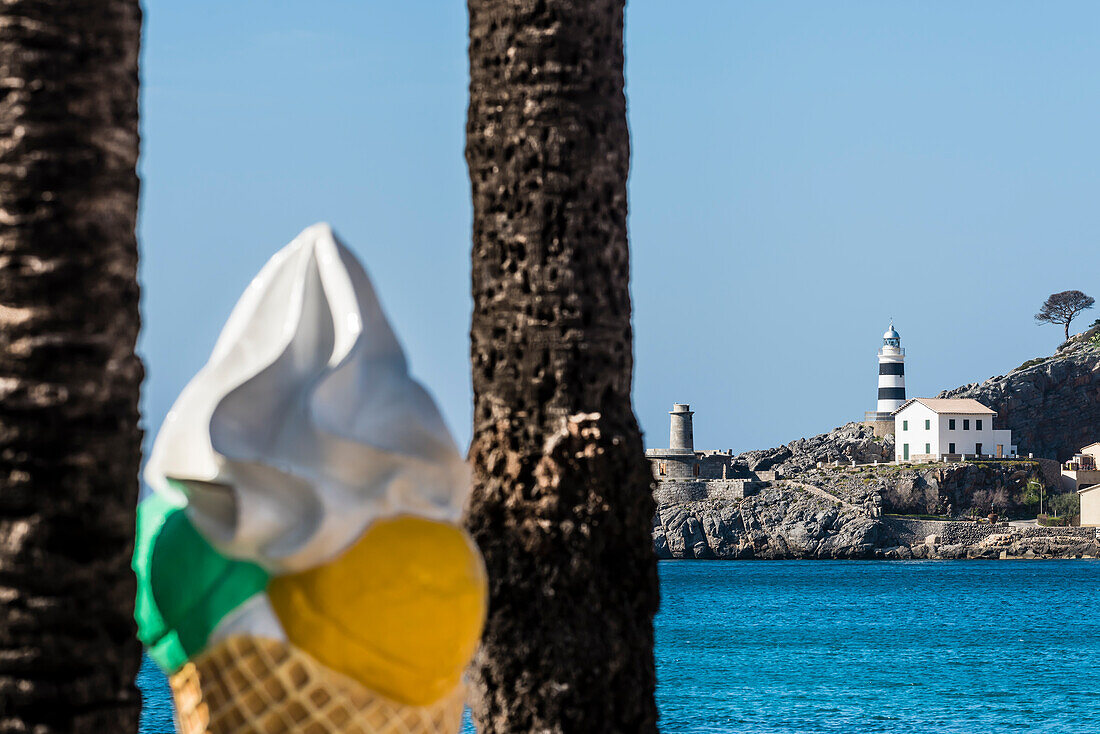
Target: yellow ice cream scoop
column 400, row 611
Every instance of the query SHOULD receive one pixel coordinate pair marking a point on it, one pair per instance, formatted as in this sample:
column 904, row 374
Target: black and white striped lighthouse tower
column 891, row 373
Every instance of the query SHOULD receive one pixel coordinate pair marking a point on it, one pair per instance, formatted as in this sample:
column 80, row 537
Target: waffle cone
column 253, row 685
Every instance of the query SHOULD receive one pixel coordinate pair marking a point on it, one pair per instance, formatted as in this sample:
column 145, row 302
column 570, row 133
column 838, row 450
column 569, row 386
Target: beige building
column 1081, row 474
column 1090, row 506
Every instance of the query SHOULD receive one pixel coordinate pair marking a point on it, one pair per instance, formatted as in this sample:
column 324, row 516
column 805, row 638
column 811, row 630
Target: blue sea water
column 928, row 647
column 156, row 700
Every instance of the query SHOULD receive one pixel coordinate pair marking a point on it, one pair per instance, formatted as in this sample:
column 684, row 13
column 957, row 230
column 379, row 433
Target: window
column 663, row 469
column 927, row 448
column 978, row 424
column 966, row 425
column 905, row 425
column 928, row 425
column 951, row 426
column 695, row 470
column 950, row 448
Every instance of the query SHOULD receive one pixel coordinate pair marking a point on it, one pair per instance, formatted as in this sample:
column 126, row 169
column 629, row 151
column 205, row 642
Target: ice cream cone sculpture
column 300, row 566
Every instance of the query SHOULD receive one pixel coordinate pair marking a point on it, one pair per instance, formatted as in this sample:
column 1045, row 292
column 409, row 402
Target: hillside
column 1052, row 404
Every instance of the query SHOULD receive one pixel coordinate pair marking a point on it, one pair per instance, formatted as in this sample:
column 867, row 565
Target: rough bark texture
column 560, row 508
column 69, row 380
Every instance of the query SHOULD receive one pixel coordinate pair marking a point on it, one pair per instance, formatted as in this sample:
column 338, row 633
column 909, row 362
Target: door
column 905, row 449
column 978, row 449
column 1000, row 450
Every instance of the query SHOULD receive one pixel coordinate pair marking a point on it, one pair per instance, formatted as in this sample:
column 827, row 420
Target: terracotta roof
column 963, row 406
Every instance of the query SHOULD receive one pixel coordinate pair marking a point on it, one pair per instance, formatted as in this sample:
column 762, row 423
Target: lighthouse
column 891, row 373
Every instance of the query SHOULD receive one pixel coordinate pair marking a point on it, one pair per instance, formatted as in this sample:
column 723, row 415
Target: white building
column 1081, row 474
column 933, row 429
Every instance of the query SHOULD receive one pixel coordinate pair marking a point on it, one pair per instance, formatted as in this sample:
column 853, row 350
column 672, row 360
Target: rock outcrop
column 779, row 522
column 1052, row 405
column 950, row 490
column 851, row 442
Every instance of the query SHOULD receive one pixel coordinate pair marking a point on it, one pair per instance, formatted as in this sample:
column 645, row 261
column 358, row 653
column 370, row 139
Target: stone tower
column 679, row 432
column 891, row 372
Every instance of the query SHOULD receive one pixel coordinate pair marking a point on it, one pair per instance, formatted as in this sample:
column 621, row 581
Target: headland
column 847, row 494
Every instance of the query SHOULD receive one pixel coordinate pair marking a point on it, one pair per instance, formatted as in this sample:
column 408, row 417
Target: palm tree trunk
column 561, row 505
column 69, row 380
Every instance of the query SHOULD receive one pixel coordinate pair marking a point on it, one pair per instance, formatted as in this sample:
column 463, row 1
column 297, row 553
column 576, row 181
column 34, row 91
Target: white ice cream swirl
column 305, row 425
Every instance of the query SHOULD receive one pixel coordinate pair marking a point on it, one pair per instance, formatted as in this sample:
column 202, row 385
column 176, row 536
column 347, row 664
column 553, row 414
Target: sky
column 802, row 172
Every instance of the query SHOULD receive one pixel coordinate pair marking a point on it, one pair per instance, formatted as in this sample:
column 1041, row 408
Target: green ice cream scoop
column 185, row 586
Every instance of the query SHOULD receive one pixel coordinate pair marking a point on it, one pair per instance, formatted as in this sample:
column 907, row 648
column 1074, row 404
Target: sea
column 921, row 647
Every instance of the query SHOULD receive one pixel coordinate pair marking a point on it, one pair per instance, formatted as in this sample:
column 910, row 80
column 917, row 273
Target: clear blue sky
column 802, row 171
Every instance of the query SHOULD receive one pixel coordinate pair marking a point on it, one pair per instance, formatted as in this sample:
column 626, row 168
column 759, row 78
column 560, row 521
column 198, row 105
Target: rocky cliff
column 853, row 512
column 798, row 520
column 781, row 521
column 1051, row 404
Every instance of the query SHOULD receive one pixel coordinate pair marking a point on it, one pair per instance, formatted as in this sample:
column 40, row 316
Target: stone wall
column 680, row 491
column 668, row 464
column 720, row 466
column 907, row 531
column 962, row 539
column 881, row 429
column 968, row 533
column 1054, row 532
column 953, row 532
